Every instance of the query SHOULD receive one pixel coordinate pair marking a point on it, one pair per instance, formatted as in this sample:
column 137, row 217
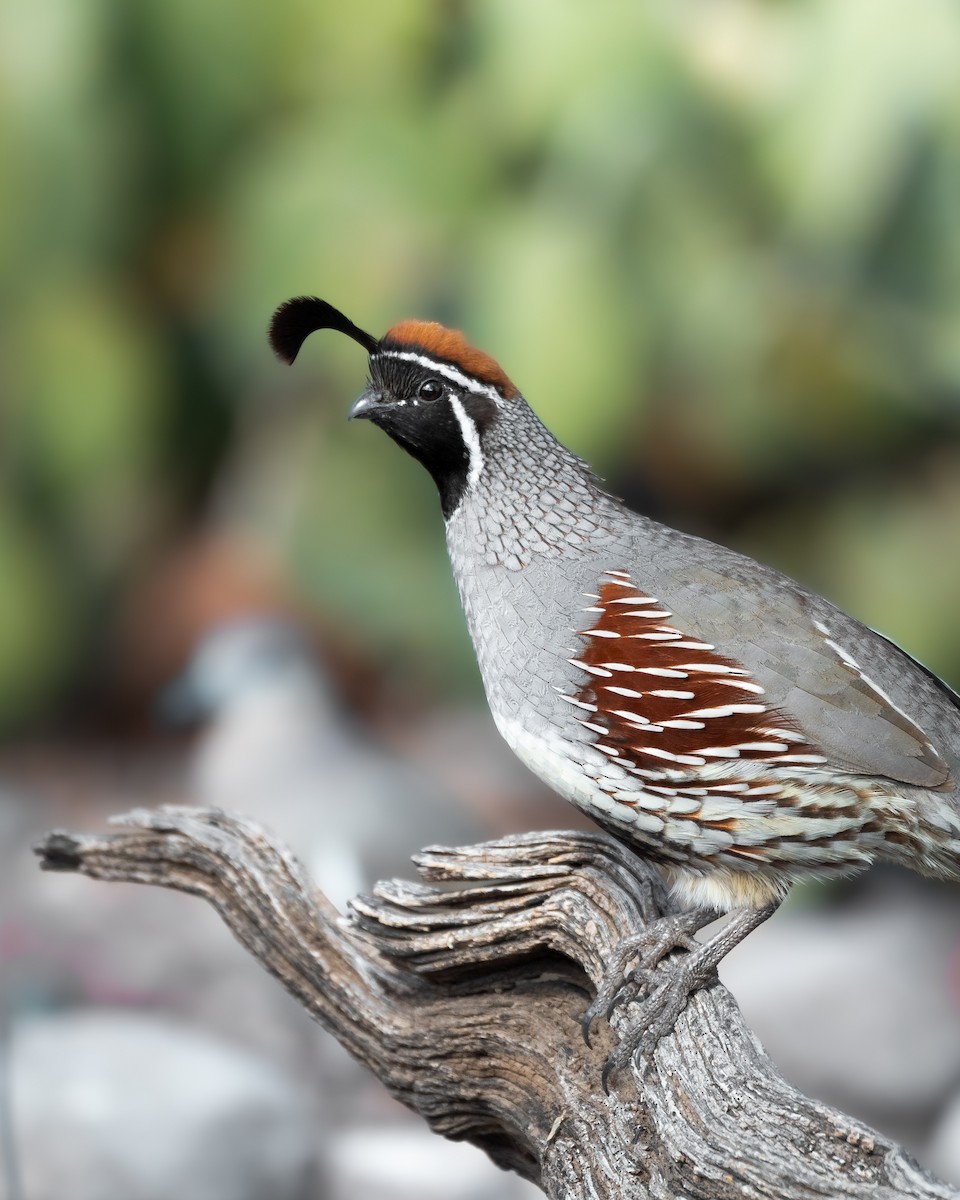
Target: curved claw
column 607, row 999
column 618, row 1059
column 608, row 1068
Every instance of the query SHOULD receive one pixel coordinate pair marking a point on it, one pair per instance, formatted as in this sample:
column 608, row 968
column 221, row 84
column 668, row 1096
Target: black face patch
column 429, row 429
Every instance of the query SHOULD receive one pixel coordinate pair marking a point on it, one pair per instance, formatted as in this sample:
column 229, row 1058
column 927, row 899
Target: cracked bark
column 463, row 993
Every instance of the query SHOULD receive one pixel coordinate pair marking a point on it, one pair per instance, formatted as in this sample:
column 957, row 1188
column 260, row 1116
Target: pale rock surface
column 943, row 1155
column 109, row 1105
column 859, row 1003
column 408, row 1162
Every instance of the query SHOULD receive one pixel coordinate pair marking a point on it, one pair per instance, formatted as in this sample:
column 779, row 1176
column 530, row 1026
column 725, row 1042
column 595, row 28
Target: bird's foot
column 657, row 1011
column 662, row 990
column 620, row 981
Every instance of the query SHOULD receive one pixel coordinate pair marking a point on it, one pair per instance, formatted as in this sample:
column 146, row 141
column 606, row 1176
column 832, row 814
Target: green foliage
column 38, row 630
column 716, row 246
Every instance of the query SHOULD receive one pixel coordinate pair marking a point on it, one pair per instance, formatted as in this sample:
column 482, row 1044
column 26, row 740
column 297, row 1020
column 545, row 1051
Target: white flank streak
column 579, row 703
column 679, row 724
column 592, row 608
column 773, row 747
column 839, row 650
column 801, row 758
column 785, row 735
column 636, row 718
column 471, row 439
column 711, row 668
column 743, row 684
column 658, row 753
column 628, row 693
column 855, row 666
column 601, row 729
column 575, row 662
column 448, row 372
column 693, row 645
column 608, row 633
column 726, row 710
column 634, row 600
column 621, row 574
column 615, row 666
column 655, row 637
column 689, row 760
column 883, row 695
column 608, row 750
column 665, row 672
column 720, row 751
column 667, row 694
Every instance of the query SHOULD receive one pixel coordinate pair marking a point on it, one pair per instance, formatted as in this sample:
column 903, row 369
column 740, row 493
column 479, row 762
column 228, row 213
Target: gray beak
column 368, row 404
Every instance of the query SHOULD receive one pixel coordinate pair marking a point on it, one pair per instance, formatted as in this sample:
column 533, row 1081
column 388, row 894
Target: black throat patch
column 445, row 435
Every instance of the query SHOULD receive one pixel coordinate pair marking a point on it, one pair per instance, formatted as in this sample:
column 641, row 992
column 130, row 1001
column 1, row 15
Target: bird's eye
column 430, row 389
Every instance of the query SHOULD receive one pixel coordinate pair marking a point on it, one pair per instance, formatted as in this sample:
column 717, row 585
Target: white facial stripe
column 448, row 372
column 471, row 439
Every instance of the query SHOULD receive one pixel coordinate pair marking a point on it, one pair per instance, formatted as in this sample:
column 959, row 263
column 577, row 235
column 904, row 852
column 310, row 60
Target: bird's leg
column 664, row 1003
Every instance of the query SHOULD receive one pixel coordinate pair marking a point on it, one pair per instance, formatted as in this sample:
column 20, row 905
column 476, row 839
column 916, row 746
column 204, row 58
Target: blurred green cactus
column 716, row 246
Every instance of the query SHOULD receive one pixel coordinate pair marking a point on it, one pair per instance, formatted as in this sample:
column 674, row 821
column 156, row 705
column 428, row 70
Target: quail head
column 729, row 724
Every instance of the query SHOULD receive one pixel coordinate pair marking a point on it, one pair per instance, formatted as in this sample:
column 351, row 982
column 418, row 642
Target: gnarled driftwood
column 464, row 994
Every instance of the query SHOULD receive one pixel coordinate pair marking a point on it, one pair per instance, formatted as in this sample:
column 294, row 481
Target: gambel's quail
column 733, row 726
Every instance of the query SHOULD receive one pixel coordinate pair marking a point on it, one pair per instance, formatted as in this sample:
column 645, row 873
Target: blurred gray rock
column 408, row 1162
column 858, row 1003
column 279, row 748
column 112, row 1106
column 13, row 821
column 943, row 1156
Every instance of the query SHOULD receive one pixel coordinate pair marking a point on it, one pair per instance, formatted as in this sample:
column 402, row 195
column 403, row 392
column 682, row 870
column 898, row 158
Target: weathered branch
column 464, row 995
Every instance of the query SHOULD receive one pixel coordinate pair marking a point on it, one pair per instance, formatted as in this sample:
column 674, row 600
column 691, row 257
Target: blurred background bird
column 278, row 746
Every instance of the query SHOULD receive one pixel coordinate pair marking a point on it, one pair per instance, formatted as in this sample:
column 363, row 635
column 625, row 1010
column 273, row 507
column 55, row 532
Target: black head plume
column 296, row 319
